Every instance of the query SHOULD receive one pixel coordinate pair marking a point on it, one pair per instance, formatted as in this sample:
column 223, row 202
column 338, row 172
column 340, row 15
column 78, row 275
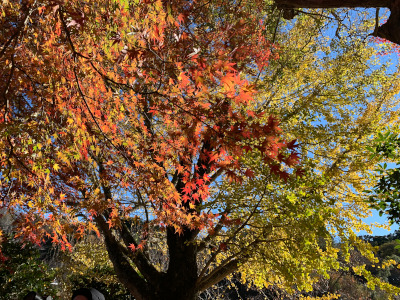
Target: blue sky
column 375, row 218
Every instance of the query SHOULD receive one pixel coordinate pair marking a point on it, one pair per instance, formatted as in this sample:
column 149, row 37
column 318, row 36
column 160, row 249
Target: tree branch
column 217, row 275
column 18, row 29
column 140, row 260
column 389, row 31
column 125, row 272
column 236, row 232
column 331, row 3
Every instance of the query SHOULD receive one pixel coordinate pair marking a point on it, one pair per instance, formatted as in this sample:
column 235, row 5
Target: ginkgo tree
column 336, row 103
column 155, row 124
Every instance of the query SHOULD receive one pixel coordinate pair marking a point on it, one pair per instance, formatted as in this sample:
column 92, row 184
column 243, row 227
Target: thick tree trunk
column 389, row 31
column 179, row 282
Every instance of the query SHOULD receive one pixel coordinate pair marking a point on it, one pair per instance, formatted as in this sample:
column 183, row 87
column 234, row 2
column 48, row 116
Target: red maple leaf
column 132, row 247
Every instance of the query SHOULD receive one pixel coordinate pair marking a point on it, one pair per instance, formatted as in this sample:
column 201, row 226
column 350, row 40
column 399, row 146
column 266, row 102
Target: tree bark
column 180, row 280
column 389, row 31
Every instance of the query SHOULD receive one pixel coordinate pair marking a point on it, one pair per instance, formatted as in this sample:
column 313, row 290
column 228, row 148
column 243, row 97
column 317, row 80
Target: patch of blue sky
column 375, row 218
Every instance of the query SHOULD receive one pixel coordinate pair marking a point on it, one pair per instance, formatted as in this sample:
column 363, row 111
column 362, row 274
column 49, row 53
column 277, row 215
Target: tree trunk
column 391, row 29
column 145, row 282
column 179, row 283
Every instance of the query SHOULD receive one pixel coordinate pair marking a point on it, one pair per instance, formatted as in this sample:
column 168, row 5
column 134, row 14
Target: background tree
column 384, row 196
column 88, row 265
column 154, row 124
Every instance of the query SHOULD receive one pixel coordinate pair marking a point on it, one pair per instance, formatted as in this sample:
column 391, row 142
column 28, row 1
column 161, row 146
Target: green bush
column 23, row 271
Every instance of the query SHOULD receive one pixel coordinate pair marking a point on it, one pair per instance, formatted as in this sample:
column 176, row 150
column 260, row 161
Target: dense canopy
column 196, row 138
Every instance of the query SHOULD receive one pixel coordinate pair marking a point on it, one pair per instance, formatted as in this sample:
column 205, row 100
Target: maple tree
column 155, row 125
column 119, row 110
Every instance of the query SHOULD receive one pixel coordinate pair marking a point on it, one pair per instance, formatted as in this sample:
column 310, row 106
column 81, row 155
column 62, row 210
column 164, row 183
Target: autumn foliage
column 117, row 111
